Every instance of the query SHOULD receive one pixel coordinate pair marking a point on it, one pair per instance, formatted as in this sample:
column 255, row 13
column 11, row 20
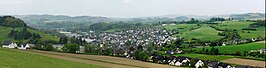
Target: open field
column 106, row 61
column 239, row 26
column 207, row 57
column 11, row 58
column 234, row 48
column 245, row 62
column 203, row 32
column 181, row 27
column 4, row 31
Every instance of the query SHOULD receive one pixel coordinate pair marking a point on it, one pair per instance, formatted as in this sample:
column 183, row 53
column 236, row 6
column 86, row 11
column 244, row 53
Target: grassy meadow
column 231, row 49
column 239, row 25
column 14, row 59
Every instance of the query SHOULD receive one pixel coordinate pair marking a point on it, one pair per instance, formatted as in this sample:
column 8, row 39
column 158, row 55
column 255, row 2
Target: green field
column 181, row 27
column 231, row 49
column 203, row 32
column 239, row 26
column 13, row 59
column 207, row 57
column 4, row 31
column 206, row 33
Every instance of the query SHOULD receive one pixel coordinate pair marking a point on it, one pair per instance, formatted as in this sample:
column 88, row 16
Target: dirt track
column 106, row 61
column 245, row 62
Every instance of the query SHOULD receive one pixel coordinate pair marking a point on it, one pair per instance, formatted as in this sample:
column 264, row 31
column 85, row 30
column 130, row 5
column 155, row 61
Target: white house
column 58, row 46
column 24, row 46
column 11, row 45
column 223, row 44
column 178, row 63
column 199, row 64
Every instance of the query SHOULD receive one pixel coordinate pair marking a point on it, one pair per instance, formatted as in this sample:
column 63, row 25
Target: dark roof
column 244, row 67
column 213, row 64
column 7, row 42
column 224, row 65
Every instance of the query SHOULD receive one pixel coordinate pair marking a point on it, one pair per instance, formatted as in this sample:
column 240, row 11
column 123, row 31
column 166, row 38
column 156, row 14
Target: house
column 263, row 51
column 223, row 44
column 24, row 46
column 58, row 46
column 199, row 64
column 9, row 45
column 212, row 64
column 224, row 65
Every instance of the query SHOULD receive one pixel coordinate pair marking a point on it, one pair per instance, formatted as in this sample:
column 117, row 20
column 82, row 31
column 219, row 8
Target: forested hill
column 14, row 29
column 10, row 21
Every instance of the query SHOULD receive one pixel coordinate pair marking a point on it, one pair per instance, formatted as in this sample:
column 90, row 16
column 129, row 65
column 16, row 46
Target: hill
column 250, row 16
column 14, row 59
column 9, row 23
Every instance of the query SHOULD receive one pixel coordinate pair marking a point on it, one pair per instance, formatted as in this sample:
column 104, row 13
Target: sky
column 129, row 8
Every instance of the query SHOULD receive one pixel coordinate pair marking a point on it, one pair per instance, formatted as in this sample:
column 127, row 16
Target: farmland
column 239, row 25
column 189, row 31
column 14, row 59
column 234, row 48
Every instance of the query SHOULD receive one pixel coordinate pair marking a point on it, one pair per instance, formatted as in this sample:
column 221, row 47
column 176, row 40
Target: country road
column 106, row 61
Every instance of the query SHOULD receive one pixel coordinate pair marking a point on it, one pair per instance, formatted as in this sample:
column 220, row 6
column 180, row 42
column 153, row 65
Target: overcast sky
column 129, row 8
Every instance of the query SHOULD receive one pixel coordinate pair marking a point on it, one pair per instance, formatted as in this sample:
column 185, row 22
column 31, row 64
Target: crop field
column 231, row 49
column 14, row 59
column 245, row 62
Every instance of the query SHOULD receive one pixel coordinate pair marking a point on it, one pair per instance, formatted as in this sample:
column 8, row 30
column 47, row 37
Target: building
column 58, row 46
column 10, row 45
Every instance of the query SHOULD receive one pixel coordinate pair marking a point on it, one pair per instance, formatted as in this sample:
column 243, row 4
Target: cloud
column 126, row 1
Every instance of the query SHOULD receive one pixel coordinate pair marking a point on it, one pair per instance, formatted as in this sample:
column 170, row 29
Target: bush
column 70, row 48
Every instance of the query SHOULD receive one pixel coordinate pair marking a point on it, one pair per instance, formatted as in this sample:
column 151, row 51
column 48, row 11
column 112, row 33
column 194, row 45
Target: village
column 125, row 42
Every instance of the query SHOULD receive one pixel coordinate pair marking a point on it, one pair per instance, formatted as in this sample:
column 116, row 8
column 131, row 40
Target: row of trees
column 229, row 35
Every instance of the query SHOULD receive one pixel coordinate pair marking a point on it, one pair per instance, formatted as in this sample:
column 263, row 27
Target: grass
column 181, row 27
column 14, row 59
column 203, row 32
column 239, row 25
column 206, row 57
column 231, row 49
column 4, row 31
